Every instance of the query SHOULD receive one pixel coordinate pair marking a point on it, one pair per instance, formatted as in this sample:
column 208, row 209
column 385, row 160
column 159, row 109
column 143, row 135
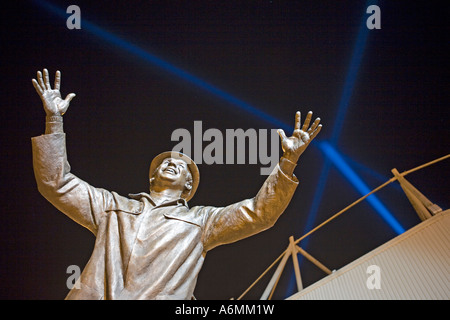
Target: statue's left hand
column 295, row 145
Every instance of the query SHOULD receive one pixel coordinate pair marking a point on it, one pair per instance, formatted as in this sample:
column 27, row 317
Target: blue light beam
column 349, row 84
column 344, row 102
column 334, row 156
column 165, row 66
column 352, row 74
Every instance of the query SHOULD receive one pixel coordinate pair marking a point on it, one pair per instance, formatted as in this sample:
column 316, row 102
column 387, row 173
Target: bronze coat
column 143, row 251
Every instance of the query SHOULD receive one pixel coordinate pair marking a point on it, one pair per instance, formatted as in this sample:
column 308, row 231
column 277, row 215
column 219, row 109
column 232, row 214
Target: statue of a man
column 152, row 245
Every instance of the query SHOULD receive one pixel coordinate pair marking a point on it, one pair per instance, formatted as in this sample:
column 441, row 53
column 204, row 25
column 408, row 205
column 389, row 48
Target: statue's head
column 174, row 170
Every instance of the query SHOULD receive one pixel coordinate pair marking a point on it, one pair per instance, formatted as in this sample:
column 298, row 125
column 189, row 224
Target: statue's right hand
column 54, row 105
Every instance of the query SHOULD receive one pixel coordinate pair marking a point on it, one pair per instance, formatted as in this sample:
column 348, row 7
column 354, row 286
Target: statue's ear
column 188, row 185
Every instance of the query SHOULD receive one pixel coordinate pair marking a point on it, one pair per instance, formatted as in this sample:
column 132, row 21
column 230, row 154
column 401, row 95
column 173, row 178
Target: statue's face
column 173, row 173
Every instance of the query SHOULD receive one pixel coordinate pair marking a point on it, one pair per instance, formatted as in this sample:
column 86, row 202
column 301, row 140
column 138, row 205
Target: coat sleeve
column 74, row 197
column 248, row 217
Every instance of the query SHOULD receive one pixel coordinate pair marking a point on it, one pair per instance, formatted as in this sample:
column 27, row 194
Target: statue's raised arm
column 152, row 245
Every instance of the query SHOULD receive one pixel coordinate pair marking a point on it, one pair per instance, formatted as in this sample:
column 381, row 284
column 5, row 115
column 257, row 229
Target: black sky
column 279, row 56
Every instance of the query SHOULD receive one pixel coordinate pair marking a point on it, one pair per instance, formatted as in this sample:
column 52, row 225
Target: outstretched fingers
column 43, row 82
column 309, row 133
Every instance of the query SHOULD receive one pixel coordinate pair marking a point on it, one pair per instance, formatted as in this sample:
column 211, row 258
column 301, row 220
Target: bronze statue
column 152, row 245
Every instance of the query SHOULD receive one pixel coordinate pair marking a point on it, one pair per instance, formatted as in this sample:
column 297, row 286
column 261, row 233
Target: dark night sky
column 278, row 56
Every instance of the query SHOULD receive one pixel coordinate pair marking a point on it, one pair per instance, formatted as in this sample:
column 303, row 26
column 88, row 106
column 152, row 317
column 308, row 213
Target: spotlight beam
column 344, row 102
column 337, row 160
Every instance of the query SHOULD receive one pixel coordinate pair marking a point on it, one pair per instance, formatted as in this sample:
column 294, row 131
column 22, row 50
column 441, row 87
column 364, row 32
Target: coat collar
column 139, row 196
column 178, row 215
